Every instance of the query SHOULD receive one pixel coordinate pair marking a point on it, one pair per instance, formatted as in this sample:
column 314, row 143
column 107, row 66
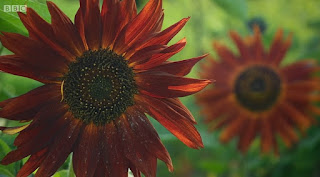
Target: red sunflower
column 254, row 95
column 101, row 75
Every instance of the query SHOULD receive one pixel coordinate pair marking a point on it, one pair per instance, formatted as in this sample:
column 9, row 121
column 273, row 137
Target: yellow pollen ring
column 61, row 90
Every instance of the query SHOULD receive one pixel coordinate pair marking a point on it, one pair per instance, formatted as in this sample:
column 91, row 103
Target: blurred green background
column 210, row 20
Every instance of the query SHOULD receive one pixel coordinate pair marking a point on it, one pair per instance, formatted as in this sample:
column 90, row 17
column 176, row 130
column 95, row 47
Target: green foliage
column 8, row 170
column 10, row 22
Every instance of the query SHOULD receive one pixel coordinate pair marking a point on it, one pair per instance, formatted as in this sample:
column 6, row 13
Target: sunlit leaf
column 9, row 169
column 4, row 172
column 9, row 19
column 62, row 173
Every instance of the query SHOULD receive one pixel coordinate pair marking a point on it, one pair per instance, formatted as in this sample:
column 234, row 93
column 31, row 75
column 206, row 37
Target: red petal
column 266, row 135
column 64, row 30
column 60, row 149
column 232, row 129
column 163, row 56
column 141, row 26
column 243, row 48
column 114, row 161
column 157, row 27
column 26, row 106
column 134, row 151
column 87, row 151
column 16, row 65
column 145, row 54
column 166, row 35
column 37, row 141
column 178, row 68
column 257, row 44
column 182, row 128
column 33, row 163
column 42, row 31
column 176, row 104
column 100, row 170
column 279, row 47
column 299, row 118
column 78, row 22
column 34, row 53
column 300, row 70
column 47, row 117
column 92, row 23
column 24, row 19
column 248, row 135
column 226, row 55
column 168, row 86
column 115, row 15
column 147, row 136
column 135, row 171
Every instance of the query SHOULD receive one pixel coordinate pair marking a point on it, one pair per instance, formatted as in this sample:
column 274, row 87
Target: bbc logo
column 14, row 8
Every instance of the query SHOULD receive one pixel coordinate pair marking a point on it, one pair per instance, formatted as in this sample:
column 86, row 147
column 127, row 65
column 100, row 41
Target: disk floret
column 257, row 88
column 99, row 86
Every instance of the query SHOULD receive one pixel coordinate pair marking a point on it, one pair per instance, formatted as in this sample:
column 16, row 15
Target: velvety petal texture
column 56, row 53
column 255, row 96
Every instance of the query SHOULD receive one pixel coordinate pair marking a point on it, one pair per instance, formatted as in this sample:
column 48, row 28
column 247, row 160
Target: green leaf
column 237, row 8
column 70, row 170
column 62, row 173
column 8, row 169
column 4, row 148
column 10, row 21
column 5, row 173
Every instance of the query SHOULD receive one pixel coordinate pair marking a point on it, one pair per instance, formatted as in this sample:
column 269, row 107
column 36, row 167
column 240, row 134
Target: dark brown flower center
column 257, row 88
column 99, row 86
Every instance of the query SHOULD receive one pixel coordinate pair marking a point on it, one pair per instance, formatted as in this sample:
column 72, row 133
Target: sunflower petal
column 139, row 27
column 34, row 53
column 134, row 151
column 147, row 135
column 279, row 47
column 182, row 128
column 40, row 126
column 86, row 153
column 266, row 135
column 38, row 142
column 300, row 70
column 91, row 22
column 115, row 162
column 78, row 22
column 299, row 118
column 163, row 56
column 247, row 136
column 64, row 30
column 42, row 31
column 163, row 85
column 115, row 15
column 14, row 64
column 143, row 55
column 179, row 68
column 17, row 108
column 33, row 163
column 166, row 35
column 243, row 49
column 226, row 54
column 232, row 129
column 60, row 149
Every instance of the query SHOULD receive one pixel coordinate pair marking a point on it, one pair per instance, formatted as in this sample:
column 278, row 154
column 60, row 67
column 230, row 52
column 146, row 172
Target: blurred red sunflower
column 253, row 95
column 101, row 76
